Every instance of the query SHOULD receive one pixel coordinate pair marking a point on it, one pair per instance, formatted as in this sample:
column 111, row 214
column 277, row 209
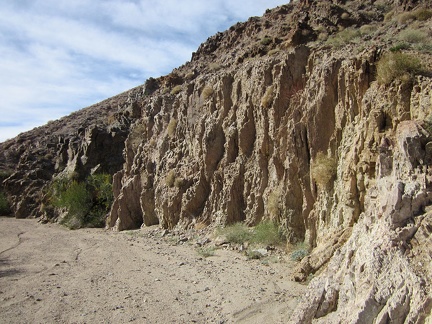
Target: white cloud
column 58, row 56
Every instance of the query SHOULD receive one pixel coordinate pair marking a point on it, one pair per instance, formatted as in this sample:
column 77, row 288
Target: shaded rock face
column 236, row 135
column 87, row 141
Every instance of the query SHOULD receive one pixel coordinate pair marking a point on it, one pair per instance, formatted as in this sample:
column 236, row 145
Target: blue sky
column 58, row 56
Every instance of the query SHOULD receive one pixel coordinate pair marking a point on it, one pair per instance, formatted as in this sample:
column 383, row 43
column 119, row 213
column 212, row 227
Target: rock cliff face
column 279, row 118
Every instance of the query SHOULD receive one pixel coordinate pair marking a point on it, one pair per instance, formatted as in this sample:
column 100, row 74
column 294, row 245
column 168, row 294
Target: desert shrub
column 425, row 48
column 422, row 14
column 206, row 251
column 190, row 75
column 170, row 178
column 400, row 47
column 100, row 186
column 179, row 182
column 172, row 126
column 323, row 169
column 412, row 36
column 4, row 205
column 214, row 66
column 343, row 37
column 367, row 29
column 86, row 203
column 405, row 17
column 253, row 255
column 267, row 233
column 176, row 89
column 237, row 233
column 265, row 41
column 207, row 92
column 267, row 99
column 389, row 15
column 300, row 251
column 397, row 65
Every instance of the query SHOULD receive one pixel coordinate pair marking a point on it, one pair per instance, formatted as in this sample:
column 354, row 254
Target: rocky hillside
column 315, row 116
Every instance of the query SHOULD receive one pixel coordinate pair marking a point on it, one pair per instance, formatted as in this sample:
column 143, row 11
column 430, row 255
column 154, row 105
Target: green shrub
column 323, row 169
column 425, row 48
column 4, row 205
column 266, row 41
column 206, row 251
column 413, row 36
column 86, row 202
column 343, row 37
column 300, row 251
column 367, row 29
column 423, row 14
column 397, row 65
column 400, row 47
column 237, row 233
column 253, row 255
column 405, row 17
column 267, row 233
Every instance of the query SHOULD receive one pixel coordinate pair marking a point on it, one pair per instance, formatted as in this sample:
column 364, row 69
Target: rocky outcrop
column 240, row 143
column 279, row 118
column 381, row 274
column 90, row 140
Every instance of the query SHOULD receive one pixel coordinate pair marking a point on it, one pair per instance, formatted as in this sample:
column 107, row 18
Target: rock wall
column 271, row 121
column 241, row 144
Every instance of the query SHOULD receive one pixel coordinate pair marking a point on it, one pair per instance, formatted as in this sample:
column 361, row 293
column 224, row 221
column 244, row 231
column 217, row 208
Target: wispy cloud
column 58, row 56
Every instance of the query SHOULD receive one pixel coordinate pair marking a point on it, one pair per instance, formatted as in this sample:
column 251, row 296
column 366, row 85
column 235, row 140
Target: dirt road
column 49, row 274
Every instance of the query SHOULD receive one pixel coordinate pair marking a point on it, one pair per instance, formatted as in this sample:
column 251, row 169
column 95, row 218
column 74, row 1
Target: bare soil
column 49, row 274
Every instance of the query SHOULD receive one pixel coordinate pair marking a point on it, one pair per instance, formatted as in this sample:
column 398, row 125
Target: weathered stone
column 259, row 103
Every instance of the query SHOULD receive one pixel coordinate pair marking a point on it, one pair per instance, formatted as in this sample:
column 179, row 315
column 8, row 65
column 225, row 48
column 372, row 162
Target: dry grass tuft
column 397, row 65
column 177, row 89
column 323, row 169
column 170, row 178
column 268, row 97
column 207, row 92
column 172, row 126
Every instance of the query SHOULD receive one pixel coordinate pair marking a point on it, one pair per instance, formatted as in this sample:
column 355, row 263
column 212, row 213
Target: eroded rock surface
column 234, row 135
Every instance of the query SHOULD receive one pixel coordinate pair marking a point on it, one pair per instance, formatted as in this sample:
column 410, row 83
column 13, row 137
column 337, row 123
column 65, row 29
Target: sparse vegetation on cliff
column 397, row 65
column 207, row 92
column 323, row 169
column 268, row 97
